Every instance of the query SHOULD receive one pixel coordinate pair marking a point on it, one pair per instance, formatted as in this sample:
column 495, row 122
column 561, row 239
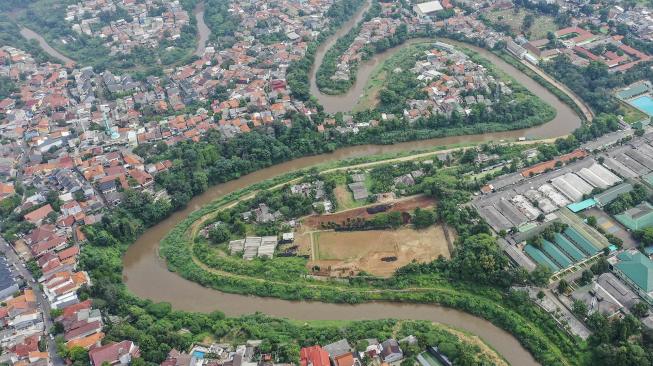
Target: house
column 120, row 353
column 37, row 216
column 313, row 356
column 391, row 351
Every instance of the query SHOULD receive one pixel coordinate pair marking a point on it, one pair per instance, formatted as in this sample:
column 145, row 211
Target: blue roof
column 582, row 205
column 569, row 248
column 541, row 258
column 555, row 253
column 581, row 242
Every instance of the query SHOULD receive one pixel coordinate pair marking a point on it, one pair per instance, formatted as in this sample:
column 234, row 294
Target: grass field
column 632, row 114
column 363, row 250
column 542, row 25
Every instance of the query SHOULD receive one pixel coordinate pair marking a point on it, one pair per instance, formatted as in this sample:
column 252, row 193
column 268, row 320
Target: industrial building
column 428, row 8
column 635, row 269
column 567, row 249
column 254, row 246
column 8, row 284
column 638, row 217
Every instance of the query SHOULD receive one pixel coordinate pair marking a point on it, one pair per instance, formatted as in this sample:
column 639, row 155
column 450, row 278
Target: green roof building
column 636, row 269
column 638, row 217
column 611, row 194
column 633, row 91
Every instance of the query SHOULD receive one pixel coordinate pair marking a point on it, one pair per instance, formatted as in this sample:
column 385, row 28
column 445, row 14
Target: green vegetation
column 298, row 72
column 449, row 283
column 328, row 67
column 593, row 83
column 48, row 19
column 10, row 36
column 7, row 87
column 627, row 200
column 518, row 20
column 519, row 110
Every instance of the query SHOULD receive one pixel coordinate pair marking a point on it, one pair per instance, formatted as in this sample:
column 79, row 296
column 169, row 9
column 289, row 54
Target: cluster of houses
column 22, row 327
column 341, row 353
column 374, row 30
column 582, row 47
column 453, row 83
column 125, row 24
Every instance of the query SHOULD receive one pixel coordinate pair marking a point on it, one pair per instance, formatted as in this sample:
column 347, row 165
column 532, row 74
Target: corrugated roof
column 638, row 217
column 611, row 194
column 540, row 258
column 638, row 268
column 582, row 205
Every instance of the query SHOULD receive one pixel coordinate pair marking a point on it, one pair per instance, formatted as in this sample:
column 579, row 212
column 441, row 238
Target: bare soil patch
column 403, row 205
column 345, row 253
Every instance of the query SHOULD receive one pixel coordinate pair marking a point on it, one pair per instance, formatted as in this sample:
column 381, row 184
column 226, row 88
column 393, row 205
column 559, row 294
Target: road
column 14, row 260
column 587, row 111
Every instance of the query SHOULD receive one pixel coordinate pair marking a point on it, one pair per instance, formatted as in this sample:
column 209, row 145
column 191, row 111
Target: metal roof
column 638, row 268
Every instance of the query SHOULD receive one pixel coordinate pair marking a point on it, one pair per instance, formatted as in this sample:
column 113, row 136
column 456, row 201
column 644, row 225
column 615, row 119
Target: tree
column 423, row 218
column 579, row 308
column 527, row 23
column 219, row 234
column 586, row 277
column 540, row 276
column 591, row 221
column 640, row 309
column 645, row 236
column 563, row 286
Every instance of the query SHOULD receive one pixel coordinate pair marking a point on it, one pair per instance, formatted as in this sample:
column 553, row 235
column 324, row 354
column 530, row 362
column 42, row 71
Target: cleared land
column 347, row 252
column 541, row 25
column 402, row 205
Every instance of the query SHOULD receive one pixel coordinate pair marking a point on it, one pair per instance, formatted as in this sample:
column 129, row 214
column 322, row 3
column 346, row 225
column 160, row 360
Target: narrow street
column 14, row 260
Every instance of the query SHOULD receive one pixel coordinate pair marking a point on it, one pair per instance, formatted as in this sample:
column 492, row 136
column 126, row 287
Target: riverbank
column 31, row 35
column 190, row 296
column 203, row 31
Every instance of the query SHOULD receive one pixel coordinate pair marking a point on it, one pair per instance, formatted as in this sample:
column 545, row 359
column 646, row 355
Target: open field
column 631, row 114
column 401, row 205
column 541, row 26
column 348, row 252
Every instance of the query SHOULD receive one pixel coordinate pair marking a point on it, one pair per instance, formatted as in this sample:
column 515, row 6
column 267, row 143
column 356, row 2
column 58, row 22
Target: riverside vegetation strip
column 539, row 335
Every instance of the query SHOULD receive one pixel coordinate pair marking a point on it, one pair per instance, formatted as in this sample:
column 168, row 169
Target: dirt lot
column 347, row 253
column 407, row 204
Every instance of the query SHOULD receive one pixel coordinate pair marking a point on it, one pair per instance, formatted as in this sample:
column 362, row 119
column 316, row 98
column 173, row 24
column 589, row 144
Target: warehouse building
column 611, row 194
column 428, row 8
column 561, row 184
column 638, row 217
column 635, row 269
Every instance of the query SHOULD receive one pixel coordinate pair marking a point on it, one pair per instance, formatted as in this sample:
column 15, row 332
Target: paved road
column 14, row 260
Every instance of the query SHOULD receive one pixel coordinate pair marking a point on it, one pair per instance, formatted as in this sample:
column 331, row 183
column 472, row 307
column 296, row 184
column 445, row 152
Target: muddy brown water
column 30, row 34
column 202, row 29
column 147, row 276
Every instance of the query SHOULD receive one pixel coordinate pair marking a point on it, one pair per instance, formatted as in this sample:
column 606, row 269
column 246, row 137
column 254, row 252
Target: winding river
column 203, row 31
column 31, row 35
column 147, row 276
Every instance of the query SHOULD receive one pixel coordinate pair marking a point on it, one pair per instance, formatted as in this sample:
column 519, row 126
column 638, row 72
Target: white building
column 428, row 8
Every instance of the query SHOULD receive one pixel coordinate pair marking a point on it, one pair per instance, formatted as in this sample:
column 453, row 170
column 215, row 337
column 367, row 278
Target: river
column 147, row 276
column 202, row 29
column 30, row 34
